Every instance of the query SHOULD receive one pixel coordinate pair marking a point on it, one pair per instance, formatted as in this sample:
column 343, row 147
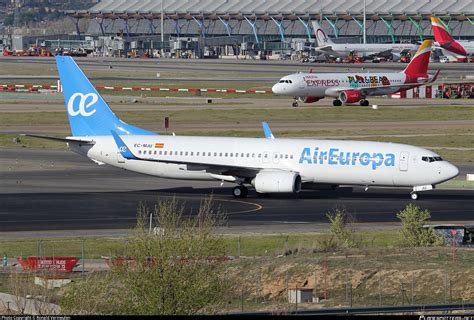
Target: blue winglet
column 122, row 147
column 267, row 131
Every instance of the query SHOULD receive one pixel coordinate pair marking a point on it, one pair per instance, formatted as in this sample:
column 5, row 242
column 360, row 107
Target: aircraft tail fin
column 321, row 36
column 89, row 114
column 445, row 40
column 418, row 66
column 439, row 30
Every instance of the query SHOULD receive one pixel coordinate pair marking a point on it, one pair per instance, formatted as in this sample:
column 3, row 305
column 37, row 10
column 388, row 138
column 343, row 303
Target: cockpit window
column 285, row 81
column 431, row 159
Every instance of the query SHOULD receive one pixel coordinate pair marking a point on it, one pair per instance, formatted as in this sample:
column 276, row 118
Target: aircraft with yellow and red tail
column 355, row 87
column 446, row 41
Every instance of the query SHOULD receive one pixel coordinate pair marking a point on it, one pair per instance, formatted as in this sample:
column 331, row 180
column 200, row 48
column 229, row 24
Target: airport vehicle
column 352, row 87
column 447, row 42
column 387, row 50
column 270, row 165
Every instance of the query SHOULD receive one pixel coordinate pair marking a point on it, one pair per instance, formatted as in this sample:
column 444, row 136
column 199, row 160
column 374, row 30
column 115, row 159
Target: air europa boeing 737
column 351, row 87
column 270, row 165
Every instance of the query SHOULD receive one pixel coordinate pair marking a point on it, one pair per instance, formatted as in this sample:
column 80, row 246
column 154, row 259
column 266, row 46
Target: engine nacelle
column 350, row 96
column 276, row 181
column 308, row 99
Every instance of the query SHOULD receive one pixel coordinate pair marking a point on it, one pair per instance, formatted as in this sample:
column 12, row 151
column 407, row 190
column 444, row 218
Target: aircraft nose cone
column 451, row 171
column 276, row 89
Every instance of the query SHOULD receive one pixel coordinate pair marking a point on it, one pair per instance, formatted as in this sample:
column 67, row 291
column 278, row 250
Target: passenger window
column 186, row 153
column 197, row 153
column 181, row 153
column 149, row 152
column 215, row 154
column 192, row 153
column 286, row 156
column 160, row 153
column 220, row 154
column 291, row 156
column 241, row 155
column 259, row 155
column 155, row 152
column 248, row 155
column 139, row 152
column 253, row 155
column 226, row 154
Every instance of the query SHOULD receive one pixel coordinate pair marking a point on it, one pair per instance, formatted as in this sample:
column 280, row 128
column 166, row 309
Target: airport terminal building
column 269, row 25
column 211, row 28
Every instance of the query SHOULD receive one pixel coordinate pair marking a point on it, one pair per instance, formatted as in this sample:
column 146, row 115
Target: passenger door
column 404, row 155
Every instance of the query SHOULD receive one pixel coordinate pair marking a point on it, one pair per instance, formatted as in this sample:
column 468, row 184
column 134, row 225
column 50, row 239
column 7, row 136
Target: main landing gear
column 337, row 103
column 240, row 191
column 364, row 102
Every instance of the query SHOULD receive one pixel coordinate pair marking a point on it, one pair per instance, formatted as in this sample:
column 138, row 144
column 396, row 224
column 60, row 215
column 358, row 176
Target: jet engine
column 308, row 99
column 275, row 181
column 350, row 96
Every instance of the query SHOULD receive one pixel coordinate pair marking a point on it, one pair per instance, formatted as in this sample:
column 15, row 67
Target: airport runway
column 58, row 190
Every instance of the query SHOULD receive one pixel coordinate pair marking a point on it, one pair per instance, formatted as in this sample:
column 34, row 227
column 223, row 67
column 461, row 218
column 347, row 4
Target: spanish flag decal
column 159, row 145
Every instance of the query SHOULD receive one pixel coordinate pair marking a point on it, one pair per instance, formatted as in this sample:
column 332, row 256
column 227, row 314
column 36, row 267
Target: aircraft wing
column 226, row 170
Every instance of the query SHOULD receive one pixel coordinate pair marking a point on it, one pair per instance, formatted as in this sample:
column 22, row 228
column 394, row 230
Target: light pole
column 162, row 31
column 365, row 4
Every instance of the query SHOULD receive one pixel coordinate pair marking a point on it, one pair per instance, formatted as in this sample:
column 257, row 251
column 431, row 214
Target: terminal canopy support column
column 360, row 24
column 76, row 23
column 201, row 26
column 127, row 30
column 226, row 25
column 306, row 26
column 100, row 22
column 333, row 25
column 418, row 28
column 280, row 28
column 471, row 20
column 176, row 25
column 389, row 26
column 152, row 26
column 252, row 24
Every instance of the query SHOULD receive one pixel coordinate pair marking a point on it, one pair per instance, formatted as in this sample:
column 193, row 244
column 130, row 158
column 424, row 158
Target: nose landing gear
column 295, row 102
column 414, row 195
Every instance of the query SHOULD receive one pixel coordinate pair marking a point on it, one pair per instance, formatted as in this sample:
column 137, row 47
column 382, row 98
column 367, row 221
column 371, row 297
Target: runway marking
column 292, row 222
column 258, row 207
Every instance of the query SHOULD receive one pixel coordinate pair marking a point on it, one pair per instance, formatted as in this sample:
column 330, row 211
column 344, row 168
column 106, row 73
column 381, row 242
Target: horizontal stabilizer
column 67, row 139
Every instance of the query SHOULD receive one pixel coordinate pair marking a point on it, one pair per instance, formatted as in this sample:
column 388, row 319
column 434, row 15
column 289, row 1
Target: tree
column 339, row 220
column 171, row 271
column 412, row 233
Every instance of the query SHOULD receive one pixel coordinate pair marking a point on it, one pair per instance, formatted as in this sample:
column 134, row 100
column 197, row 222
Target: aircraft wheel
column 240, row 192
column 337, row 103
column 414, row 196
column 294, row 104
column 364, row 102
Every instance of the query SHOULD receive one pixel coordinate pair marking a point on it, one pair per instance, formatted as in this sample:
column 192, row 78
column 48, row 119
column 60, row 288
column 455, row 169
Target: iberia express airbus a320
column 353, row 87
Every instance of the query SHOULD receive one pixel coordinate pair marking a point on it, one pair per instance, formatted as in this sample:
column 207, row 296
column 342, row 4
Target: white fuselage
column 335, row 162
column 343, row 49
column 325, row 84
